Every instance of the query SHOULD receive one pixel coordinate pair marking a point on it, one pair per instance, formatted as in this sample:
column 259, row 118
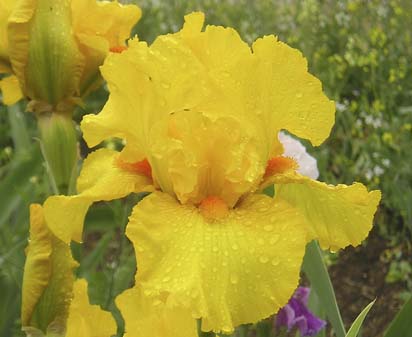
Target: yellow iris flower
column 53, row 302
column 200, row 112
column 53, row 48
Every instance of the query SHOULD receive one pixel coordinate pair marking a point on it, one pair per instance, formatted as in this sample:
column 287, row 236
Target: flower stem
column 60, row 151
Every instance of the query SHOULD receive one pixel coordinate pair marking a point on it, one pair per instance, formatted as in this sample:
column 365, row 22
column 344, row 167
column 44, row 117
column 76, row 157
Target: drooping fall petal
column 337, row 216
column 231, row 270
column 102, row 178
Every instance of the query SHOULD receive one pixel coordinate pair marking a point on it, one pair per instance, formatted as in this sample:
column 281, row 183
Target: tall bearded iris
column 200, row 112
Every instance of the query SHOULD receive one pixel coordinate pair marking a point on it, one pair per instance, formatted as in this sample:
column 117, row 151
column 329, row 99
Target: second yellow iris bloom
column 200, row 112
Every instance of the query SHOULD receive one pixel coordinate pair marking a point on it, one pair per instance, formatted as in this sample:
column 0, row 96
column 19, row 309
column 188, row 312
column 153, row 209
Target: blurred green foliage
column 361, row 51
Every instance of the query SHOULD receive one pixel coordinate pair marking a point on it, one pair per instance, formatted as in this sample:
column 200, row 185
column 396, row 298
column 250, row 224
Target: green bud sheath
column 59, row 146
column 53, row 54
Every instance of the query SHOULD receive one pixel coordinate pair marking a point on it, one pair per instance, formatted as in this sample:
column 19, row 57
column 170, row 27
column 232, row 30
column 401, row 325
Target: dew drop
column 274, row 239
column 234, row 279
column 275, row 262
column 268, row 228
column 263, row 259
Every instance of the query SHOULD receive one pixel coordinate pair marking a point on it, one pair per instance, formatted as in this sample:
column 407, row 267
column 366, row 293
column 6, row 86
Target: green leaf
column 16, row 184
column 401, row 325
column 356, row 325
column 316, row 271
column 315, row 306
column 9, row 306
column 90, row 262
column 18, row 128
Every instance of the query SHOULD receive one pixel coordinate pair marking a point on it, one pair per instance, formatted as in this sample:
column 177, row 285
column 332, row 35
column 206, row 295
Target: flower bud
column 55, row 47
column 48, row 280
column 44, row 56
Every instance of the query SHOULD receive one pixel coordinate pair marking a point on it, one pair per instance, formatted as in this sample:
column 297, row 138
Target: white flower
column 294, row 149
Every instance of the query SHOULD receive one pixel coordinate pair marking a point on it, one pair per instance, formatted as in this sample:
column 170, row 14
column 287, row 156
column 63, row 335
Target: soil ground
column 358, row 278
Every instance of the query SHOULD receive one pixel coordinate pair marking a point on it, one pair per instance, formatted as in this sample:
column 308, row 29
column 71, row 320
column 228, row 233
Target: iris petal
column 237, row 269
column 88, row 320
column 145, row 317
column 101, row 179
column 337, row 216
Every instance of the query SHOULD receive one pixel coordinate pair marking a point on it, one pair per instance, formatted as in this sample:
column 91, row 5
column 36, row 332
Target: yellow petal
column 145, row 76
column 6, row 6
column 108, row 25
column 109, row 19
column 236, row 269
column 337, row 216
column 37, row 269
column 292, row 98
column 145, row 317
column 18, row 31
column 86, row 320
column 101, row 179
column 10, row 88
column 48, row 277
column 194, row 157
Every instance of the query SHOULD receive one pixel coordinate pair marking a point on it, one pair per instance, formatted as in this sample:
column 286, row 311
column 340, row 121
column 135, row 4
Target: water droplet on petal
column 275, row 262
column 274, row 239
column 234, row 279
column 268, row 228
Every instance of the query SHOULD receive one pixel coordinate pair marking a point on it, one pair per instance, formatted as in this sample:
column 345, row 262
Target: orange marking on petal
column 213, row 207
column 141, row 167
column 280, row 164
column 118, row 49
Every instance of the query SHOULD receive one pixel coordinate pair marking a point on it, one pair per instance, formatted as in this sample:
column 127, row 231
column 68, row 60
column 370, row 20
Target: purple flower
column 296, row 314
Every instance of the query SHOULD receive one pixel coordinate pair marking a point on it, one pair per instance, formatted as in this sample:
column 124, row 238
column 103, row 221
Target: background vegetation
column 361, row 51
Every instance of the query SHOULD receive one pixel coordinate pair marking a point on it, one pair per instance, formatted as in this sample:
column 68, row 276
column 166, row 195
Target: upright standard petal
column 48, row 278
column 85, row 319
column 155, row 318
column 291, row 97
column 337, row 216
column 238, row 268
column 103, row 177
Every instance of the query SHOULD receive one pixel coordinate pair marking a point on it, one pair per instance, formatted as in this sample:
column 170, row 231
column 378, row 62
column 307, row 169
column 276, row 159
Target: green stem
column 60, row 151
